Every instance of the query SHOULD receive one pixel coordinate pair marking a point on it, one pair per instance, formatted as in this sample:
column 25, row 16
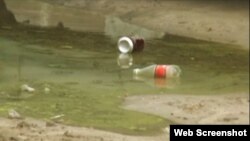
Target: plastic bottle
column 130, row 44
column 158, row 71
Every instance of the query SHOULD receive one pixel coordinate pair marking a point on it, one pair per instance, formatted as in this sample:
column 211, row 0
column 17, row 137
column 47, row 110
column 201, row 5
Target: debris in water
column 130, row 44
column 57, row 117
column 125, row 60
column 27, row 88
column 14, row 114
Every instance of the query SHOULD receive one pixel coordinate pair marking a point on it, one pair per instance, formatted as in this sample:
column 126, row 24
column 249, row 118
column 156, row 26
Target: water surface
column 88, row 80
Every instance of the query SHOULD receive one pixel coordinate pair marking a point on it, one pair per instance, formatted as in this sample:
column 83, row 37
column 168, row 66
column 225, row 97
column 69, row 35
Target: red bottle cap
column 160, row 71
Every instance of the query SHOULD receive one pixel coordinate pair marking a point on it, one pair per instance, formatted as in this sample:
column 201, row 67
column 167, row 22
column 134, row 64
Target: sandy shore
column 36, row 130
column 194, row 109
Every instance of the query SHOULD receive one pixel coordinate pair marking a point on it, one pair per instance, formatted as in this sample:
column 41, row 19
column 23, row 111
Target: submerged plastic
column 158, row 71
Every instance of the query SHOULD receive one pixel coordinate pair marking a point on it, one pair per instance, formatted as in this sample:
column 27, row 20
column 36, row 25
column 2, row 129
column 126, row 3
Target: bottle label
column 160, row 71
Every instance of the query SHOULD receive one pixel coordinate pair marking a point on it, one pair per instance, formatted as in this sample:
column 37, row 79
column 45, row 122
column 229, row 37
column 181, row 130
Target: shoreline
column 194, row 109
column 183, row 109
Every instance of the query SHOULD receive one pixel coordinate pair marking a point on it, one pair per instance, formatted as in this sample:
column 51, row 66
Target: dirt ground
column 194, row 109
column 36, row 130
column 183, row 109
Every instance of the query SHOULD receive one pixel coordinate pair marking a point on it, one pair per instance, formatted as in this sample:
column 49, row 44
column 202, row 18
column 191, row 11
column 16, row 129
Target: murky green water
column 88, row 86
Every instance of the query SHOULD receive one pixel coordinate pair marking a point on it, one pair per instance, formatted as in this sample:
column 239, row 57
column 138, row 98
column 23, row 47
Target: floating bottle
column 130, row 44
column 158, row 71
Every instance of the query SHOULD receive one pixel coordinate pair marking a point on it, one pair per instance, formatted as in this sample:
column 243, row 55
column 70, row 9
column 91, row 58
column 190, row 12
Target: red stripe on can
column 160, row 71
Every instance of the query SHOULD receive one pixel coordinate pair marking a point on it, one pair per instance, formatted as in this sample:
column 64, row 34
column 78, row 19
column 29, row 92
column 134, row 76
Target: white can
column 130, row 44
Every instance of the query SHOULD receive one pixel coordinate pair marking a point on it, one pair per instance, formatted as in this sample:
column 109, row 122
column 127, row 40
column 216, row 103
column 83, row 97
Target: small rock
column 23, row 124
column 209, row 29
column 13, row 139
column 68, row 134
column 27, row 88
column 14, row 114
column 185, row 118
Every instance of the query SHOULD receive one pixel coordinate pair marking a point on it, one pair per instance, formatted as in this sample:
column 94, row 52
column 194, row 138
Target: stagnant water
column 84, row 77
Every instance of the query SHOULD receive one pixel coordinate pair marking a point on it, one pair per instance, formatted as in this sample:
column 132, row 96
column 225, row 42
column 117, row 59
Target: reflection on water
column 87, row 81
column 169, row 83
column 34, row 63
column 44, row 14
column 125, row 60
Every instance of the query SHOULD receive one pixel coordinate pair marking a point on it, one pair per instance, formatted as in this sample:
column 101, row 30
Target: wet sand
column 36, row 130
column 194, row 109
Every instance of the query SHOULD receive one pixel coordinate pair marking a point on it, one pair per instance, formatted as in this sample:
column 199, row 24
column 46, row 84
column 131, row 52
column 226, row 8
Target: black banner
column 211, row 132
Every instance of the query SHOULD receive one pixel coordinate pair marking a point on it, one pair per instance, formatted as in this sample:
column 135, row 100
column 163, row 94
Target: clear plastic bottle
column 158, row 71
